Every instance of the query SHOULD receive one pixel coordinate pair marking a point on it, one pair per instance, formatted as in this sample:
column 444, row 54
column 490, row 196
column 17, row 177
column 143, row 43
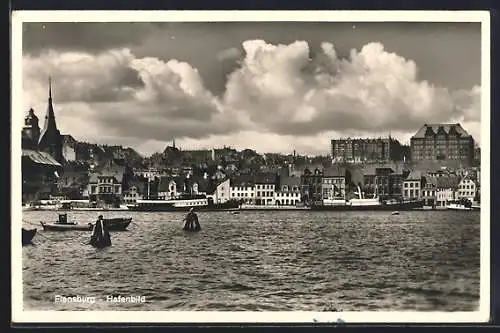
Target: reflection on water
column 262, row 261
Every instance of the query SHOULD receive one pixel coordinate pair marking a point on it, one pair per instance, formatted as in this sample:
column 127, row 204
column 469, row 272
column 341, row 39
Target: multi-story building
column 288, row 191
column 429, row 192
column 333, row 186
column 222, row 191
column 170, row 188
column 311, row 186
column 243, row 189
column 107, row 184
column 132, row 194
column 412, row 185
column 446, row 144
column 265, row 187
column 354, row 150
column 446, row 187
column 467, row 189
column 382, row 181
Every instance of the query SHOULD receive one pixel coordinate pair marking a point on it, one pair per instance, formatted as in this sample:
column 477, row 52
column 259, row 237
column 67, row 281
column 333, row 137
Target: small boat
column 235, row 212
column 113, row 224
column 118, row 223
column 458, row 206
column 395, row 213
column 66, row 226
column 28, row 235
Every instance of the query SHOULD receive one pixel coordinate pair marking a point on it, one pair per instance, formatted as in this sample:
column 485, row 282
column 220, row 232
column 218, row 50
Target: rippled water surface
column 262, row 261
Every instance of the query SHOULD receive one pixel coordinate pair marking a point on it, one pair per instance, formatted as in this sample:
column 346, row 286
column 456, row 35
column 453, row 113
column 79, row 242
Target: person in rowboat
column 192, row 223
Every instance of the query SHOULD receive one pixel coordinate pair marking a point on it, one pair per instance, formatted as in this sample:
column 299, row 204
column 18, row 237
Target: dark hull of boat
column 65, row 227
column 382, row 207
column 28, row 236
column 170, row 208
column 116, row 224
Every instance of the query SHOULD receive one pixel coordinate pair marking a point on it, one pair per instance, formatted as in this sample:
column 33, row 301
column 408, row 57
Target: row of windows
column 105, row 180
column 287, row 194
column 411, row 193
column 265, row 187
column 104, row 189
column 333, row 181
column 239, row 194
column 466, row 193
column 288, row 202
column 242, row 188
column 265, row 193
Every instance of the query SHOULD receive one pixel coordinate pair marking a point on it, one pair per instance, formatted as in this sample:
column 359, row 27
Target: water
column 262, row 261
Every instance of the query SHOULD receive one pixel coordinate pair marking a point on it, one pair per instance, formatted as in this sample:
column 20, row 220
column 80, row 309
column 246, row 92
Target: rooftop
column 39, row 157
column 434, row 129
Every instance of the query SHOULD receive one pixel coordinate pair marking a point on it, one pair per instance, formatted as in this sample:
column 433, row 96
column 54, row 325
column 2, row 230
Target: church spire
column 50, row 127
column 50, row 137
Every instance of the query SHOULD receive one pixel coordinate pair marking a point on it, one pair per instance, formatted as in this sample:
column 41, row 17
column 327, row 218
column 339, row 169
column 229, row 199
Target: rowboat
column 28, row 235
column 113, row 224
column 66, row 226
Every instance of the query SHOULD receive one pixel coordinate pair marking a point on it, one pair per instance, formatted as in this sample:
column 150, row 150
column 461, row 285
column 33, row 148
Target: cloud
column 229, row 54
column 82, row 77
column 285, row 91
column 86, row 36
column 279, row 96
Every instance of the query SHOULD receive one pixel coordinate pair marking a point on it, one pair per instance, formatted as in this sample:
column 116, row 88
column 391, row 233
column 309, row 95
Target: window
column 258, row 193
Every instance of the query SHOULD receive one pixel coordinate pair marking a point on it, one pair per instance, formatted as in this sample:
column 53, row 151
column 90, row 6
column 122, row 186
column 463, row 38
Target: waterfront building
column 106, row 184
column 288, row 191
column 222, row 191
column 444, row 144
column 359, row 150
column 132, row 194
column 429, row 192
column 265, row 188
column 466, row 188
column 242, row 188
column 40, row 172
column 333, row 186
column 446, row 187
column 311, row 186
column 412, row 185
column 382, row 182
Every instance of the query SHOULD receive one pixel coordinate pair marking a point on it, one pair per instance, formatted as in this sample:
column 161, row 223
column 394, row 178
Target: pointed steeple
column 49, row 130
column 50, row 138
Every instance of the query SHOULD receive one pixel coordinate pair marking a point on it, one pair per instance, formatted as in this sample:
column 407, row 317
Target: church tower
column 50, row 139
column 30, row 131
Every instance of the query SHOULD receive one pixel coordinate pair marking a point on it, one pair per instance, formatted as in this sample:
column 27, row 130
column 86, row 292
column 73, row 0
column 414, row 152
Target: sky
column 268, row 86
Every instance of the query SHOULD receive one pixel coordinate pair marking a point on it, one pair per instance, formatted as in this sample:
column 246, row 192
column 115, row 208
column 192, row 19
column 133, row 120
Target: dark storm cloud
column 84, row 36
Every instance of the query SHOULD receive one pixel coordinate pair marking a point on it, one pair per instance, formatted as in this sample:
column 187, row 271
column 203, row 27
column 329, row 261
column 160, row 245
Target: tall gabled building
column 50, row 140
column 443, row 144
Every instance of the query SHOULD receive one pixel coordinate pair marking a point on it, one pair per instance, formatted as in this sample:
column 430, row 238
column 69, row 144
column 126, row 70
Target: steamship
column 367, row 204
column 182, row 204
